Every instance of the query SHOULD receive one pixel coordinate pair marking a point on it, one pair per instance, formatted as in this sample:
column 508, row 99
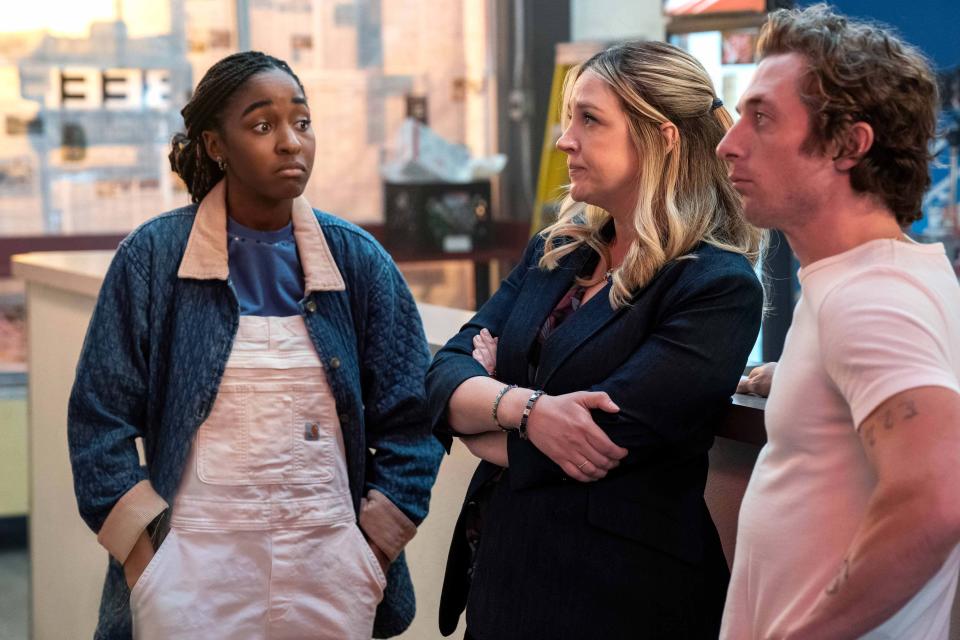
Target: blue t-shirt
column 265, row 270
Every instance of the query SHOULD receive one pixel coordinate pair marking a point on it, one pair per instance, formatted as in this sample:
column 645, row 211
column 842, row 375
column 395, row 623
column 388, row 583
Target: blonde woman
column 589, row 385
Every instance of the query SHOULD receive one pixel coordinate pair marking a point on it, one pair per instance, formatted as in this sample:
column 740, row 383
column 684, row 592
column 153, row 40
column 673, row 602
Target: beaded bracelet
column 496, row 404
column 532, row 400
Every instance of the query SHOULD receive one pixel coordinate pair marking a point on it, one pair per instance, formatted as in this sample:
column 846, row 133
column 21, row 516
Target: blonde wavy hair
column 684, row 195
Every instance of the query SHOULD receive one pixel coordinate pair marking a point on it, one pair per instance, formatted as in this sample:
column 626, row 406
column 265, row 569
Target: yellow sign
column 553, row 176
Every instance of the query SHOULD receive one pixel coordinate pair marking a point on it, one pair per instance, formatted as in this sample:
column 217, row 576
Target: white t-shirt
column 871, row 322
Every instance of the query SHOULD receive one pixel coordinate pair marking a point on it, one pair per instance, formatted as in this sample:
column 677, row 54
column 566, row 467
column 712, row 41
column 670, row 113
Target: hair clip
column 717, row 103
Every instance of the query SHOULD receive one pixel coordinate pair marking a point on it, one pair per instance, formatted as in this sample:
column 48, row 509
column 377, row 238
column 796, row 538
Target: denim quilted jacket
column 157, row 347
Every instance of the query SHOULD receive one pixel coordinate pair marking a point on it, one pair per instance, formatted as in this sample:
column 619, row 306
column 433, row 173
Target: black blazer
column 634, row 555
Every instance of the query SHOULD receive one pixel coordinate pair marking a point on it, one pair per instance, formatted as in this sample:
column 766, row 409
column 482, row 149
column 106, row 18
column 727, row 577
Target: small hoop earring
column 221, row 164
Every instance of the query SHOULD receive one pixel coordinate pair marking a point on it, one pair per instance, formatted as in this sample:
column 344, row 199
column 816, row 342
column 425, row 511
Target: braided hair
column 188, row 157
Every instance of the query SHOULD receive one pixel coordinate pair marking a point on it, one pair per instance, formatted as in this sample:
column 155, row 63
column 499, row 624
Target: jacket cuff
column 385, row 525
column 128, row 518
column 530, row 467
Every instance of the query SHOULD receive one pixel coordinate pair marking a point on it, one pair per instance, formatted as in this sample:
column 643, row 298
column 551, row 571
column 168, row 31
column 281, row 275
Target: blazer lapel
column 575, row 330
column 540, row 293
column 583, row 325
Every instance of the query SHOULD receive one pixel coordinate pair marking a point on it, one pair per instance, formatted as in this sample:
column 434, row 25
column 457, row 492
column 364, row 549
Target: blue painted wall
column 932, row 25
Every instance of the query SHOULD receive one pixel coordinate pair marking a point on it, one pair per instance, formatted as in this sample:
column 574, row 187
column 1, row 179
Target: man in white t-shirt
column 850, row 524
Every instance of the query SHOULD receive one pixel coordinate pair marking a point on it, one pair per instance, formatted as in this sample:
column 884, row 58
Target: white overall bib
column 263, row 540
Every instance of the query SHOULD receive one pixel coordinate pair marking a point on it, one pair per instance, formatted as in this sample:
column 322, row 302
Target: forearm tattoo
column 888, row 419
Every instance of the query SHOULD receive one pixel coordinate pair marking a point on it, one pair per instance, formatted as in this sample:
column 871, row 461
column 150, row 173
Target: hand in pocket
column 140, row 556
column 380, row 556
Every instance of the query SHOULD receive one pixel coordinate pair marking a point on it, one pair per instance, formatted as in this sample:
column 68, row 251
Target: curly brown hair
column 862, row 72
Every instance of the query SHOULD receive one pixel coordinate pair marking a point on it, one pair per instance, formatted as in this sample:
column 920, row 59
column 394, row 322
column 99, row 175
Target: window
column 90, row 94
column 91, row 99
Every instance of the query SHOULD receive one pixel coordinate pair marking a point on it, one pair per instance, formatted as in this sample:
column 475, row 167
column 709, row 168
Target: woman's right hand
column 562, row 428
column 140, row 556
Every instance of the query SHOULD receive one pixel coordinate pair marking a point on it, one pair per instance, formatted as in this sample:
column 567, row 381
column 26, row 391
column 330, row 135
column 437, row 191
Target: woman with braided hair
column 271, row 359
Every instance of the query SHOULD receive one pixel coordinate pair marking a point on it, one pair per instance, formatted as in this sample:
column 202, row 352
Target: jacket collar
column 538, row 296
column 206, row 255
column 541, row 291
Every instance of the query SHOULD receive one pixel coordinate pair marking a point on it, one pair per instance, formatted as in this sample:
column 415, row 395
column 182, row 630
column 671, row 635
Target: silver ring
column 580, row 466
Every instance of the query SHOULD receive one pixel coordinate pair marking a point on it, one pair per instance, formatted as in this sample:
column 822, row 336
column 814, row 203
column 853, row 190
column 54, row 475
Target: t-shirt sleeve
column 882, row 333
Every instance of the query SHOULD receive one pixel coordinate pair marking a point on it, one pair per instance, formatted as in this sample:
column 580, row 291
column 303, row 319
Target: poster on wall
column 705, row 7
column 738, row 47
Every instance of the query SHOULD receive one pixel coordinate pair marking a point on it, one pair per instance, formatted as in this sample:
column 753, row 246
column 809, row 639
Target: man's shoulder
column 888, row 325
column 874, row 270
column 890, row 288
